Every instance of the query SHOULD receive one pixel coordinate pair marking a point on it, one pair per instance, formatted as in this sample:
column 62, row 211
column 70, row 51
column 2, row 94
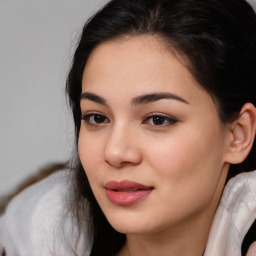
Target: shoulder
column 38, row 221
column 235, row 217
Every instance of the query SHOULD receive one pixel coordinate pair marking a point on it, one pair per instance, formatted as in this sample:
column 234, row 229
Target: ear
column 242, row 135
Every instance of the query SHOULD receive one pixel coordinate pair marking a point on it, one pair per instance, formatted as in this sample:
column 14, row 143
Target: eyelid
column 91, row 112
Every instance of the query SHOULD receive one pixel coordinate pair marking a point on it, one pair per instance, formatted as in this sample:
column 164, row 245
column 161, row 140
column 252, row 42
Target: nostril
column 114, row 163
column 120, row 164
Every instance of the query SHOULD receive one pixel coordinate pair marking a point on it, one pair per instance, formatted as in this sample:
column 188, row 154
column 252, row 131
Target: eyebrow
column 93, row 97
column 152, row 97
column 142, row 99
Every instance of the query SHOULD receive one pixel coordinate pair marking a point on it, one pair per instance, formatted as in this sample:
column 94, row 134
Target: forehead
column 137, row 53
column 137, row 65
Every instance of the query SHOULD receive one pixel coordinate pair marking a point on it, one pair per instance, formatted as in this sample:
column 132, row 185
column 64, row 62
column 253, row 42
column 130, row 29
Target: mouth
column 126, row 192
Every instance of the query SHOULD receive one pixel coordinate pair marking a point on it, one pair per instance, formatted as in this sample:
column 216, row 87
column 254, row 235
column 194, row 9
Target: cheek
column 187, row 178
column 190, row 147
column 176, row 155
column 188, row 162
column 89, row 154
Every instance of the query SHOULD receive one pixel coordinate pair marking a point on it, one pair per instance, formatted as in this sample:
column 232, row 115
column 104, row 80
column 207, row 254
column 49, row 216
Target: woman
column 163, row 95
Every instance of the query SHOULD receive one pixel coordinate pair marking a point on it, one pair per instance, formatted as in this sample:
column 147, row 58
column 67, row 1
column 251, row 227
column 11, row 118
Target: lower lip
column 126, row 198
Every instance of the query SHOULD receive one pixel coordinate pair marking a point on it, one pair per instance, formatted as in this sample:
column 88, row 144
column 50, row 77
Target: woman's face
column 150, row 142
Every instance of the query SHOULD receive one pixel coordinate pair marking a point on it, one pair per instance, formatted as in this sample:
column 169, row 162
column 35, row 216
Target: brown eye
column 160, row 120
column 99, row 119
column 95, row 119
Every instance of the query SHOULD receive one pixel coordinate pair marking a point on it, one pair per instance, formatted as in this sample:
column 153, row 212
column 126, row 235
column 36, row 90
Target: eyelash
column 87, row 118
column 168, row 120
column 163, row 119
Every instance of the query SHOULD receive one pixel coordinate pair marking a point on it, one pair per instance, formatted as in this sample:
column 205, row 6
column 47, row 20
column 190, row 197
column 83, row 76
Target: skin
column 184, row 161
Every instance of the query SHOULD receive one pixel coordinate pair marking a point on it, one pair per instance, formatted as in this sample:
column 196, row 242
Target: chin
column 130, row 229
column 131, row 224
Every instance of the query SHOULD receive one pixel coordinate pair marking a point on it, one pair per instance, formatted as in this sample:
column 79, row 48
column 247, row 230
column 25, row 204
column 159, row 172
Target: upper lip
column 126, row 184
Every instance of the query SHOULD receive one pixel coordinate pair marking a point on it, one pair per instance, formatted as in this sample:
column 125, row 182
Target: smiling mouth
column 126, row 192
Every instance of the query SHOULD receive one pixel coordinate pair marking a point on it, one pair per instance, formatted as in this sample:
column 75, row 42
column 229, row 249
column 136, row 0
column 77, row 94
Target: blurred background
column 37, row 40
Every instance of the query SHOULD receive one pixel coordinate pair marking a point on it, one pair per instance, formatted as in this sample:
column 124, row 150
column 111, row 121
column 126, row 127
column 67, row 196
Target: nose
column 122, row 148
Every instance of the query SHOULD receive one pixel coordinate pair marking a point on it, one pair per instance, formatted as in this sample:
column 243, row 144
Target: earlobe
column 242, row 135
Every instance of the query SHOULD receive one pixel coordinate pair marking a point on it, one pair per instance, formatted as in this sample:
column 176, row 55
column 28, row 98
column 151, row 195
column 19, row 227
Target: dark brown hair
column 218, row 41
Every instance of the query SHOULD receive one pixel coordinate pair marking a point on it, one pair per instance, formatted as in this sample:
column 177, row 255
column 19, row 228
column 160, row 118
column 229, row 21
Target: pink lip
column 117, row 192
